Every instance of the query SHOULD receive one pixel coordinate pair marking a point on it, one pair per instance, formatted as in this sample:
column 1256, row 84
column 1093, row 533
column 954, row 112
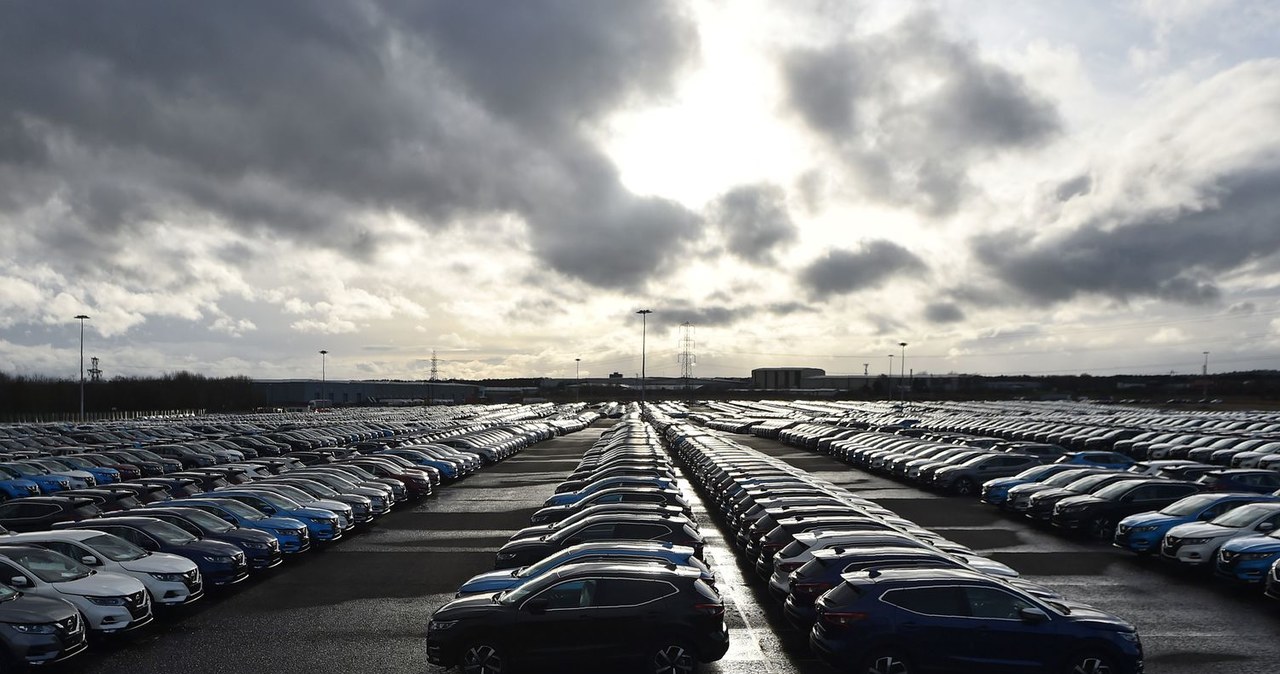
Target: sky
column 1046, row 187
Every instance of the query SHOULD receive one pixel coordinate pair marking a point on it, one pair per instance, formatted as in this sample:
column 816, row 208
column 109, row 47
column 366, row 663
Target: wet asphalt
column 362, row 605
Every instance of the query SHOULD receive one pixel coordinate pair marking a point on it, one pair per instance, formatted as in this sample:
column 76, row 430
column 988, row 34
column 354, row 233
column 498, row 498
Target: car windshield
column 50, row 566
column 9, row 473
column 1189, row 505
column 277, row 501
column 207, row 522
column 1243, row 516
column 1086, row 484
column 77, row 462
column 1036, row 473
column 241, row 510
column 30, row 469
column 319, row 488
column 1062, row 479
column 168, row 533
column 115, row 548
column 1114, row 491
column 292, row 492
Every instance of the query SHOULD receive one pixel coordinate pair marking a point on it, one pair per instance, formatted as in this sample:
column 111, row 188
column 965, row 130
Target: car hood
column 1029, row 488
column 32, row 609
column 1150, row 519
column 525, row 544
column 160, row 562
column 1088, row 615
column 1080, row 499
column 491, row 581
column 282, row 523
column 317, row 513
column 242, row 535
column 990, row 566
column 1056, row 492
column 214, row 548
column 467, row 607
column 533, row 532
column 1201, row 530
column 1004, row 482
column 101, row 584
column 1253, row 544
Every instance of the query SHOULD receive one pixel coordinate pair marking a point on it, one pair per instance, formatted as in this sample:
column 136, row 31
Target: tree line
column 20, row 394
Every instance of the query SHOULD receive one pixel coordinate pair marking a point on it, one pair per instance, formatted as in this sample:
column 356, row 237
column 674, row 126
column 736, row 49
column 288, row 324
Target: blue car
column 261, row 549
column 102, row 474
column 220, row 563
column 1142, row 533
column 621, row 481
column 961, row 621
column 322, row 525
column 1113, row 460
column 290, row 532
column 996, row 492
column 447, row 469
column 45, row 481
column 660, row 553
column 13, row 485
column 1247, row 559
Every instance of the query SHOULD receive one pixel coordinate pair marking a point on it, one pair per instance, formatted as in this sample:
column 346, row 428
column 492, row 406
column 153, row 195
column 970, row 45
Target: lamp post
column 889, row 379
column 644, row 317
column 323, row 355
column 903, row 362
column 577, row 375
column 82, row 318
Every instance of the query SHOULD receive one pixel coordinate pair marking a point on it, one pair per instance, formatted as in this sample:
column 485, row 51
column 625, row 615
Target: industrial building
column 299, row 392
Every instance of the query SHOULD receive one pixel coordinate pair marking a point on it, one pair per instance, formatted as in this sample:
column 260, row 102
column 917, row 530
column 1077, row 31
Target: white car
column 806, row 543
column 1197, row 543
column 110, row 602
column 171, row 580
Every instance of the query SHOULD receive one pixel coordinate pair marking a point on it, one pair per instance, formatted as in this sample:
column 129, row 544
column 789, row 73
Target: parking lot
column 363, row 605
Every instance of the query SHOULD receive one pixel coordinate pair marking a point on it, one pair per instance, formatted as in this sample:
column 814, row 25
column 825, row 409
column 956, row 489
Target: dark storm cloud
column 1077, row 186
column 1168, row 255
column 754, row 221
column 863, row 98
column 943, row 312
column 300, row 118
column 719, row 315
column 846, row 271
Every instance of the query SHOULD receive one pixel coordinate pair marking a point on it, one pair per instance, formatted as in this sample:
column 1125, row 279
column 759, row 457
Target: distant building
column 783, row 377
column 298, row 392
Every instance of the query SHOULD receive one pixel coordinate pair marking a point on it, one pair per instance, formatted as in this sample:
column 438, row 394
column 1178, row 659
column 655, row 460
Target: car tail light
column 788, row 567
column 772, row 547
column 810, row 589
column 709, row 609
column 842, row 618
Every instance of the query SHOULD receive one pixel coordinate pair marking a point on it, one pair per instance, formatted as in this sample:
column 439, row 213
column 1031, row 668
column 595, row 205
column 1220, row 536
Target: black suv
column 526, row 551
column 1098, row 512
column 590, row 613
column 39, row 513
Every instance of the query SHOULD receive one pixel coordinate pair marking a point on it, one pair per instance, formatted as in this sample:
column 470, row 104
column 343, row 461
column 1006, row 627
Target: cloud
column 910, row 109
column 1195, row 197
column 754, row 221
column 846, row 271
column 943, row 312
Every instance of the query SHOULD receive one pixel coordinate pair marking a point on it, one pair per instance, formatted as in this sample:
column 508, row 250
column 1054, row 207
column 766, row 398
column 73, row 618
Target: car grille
column 71, row 627
column 238, row 559
column 33, row 490
column 137, row 604
column 191, row 579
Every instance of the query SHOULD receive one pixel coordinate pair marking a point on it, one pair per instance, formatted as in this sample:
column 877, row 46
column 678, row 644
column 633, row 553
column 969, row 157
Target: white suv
column 1197, row 543
column 172, row 580
column 110, row 602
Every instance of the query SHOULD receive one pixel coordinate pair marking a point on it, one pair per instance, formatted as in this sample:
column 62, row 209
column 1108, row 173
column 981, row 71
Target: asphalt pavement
column 363, row 604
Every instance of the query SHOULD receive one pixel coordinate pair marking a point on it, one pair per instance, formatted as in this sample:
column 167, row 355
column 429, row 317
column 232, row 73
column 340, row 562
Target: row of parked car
column 104, row 560
column 610, row 569
column 876, row 592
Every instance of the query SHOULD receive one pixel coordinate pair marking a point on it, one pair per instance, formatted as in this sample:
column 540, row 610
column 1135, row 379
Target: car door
column 1000, row 640
column 73, row 550
column 561, row 626
column 935, row 622
column 627, row 613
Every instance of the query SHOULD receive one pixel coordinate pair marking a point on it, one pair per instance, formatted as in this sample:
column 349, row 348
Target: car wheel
column 483, row 658
column 883, row 661
column 964, row 487
column 1089, row 663
column 673, row 657
column 1103, row 528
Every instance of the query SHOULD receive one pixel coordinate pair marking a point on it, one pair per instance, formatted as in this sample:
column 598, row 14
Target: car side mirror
column 90, row 560
column 1266, row 526
column 537, row 605
column 1033, row 616
column 1205, row 517
column 19, row 581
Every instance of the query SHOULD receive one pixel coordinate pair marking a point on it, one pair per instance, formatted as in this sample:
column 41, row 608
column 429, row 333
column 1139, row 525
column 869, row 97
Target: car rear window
column 844, row 593
column 812, row 567
column 793, row 548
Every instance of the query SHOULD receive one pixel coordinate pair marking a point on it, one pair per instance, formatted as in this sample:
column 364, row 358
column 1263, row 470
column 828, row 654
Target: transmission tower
column 686, row 357
column 435, row 366
column 95, row 374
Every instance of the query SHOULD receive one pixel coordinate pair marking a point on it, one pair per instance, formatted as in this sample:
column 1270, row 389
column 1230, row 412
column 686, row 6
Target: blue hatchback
column 322, row 525
column 606, row 551
column 290, row 532
column 46, row 482
column 996, row 492
column 13, row 485
column 961, row 621
column 1247, row 559
column 1142, row 533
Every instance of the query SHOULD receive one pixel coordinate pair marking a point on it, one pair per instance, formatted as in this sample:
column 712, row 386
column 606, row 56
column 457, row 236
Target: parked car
column 967, row 478
column 40, row 630
column 110, row 603
column 1143, row 532
column 859, row 627
column 553, row 514
column 629, row 552
column 638, row 528
column 996, row 491
column 1113, row 460
column 1098, row 512
column 1247, row 559
column 1254, row 480
column 322, row 525
column 291, row 533
column 1197, row 543
column 172, row 580
column 37, row 513
column 261, row 549
column 219, row 563
column 586, row 615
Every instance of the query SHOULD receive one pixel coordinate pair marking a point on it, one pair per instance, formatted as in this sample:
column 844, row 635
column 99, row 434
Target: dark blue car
column 1252, row 480
column 943, row 620
column 322, row 525
column 604, row 551
column 1141, row 533
column 1247, row 559
column 1114, row 460
column 12, row 485
column 45, row 482
column 996, row 492
column 220, row 563
column 261, row 549
column 291, row 533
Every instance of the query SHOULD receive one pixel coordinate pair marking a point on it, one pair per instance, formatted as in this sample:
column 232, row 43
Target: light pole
column 889, row 379
column 323, row 355
column 1204, row 375
column 577, row 375
column 82, row 318
column 903, row 362
column 644, row 318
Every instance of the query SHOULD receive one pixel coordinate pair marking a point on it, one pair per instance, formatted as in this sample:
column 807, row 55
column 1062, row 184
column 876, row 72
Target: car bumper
column 43, row 649
column 1190, row 555
column 1249, row 573
column 1141, row 542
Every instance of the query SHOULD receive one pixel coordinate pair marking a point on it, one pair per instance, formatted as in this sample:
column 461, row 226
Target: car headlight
column 217, row 560
column 254, row 545
column 506, row 555
column 1131, row 637
column 35, row 628
column 286, row 532
column 168, row 577
column 107, row 601
column 1255, row 556
column 1195, row 541
column 441, row 625
column 320, row 520
column 1145, row 529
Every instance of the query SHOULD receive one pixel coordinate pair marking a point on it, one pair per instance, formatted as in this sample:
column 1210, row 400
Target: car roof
column 916, row 576
column 624, row 569
column 57, row 534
